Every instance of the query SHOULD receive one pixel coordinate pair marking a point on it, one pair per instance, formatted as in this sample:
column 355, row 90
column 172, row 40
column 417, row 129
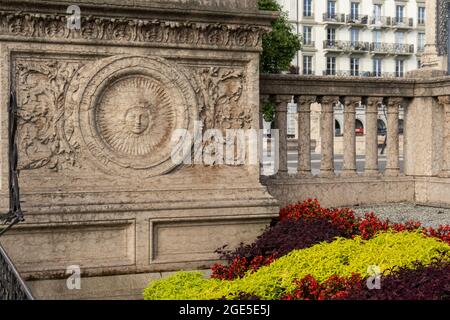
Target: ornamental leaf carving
column 221, row 91
column 45, row 135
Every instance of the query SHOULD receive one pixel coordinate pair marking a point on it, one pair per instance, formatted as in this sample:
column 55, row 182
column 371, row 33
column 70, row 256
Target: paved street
column 338, row 163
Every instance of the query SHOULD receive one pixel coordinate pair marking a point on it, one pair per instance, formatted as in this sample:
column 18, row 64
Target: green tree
column 280, row 45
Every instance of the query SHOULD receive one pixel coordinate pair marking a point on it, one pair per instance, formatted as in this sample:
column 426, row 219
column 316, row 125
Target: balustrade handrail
column 275, row 84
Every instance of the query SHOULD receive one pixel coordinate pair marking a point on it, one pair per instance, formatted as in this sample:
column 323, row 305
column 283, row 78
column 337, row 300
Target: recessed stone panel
column 57, row 246
column 188, row 241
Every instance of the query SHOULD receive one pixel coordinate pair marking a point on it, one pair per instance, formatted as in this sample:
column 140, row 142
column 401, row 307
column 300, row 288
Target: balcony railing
column 402, row 48
column 334, row 18
column 380, row 21
column 309, row 44
column 391, row 48
column 361, row 74
column 402, row 22
column 346, row 46
column 357, row 19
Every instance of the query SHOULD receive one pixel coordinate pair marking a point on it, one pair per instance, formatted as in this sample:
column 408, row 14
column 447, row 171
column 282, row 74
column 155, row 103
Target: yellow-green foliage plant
column 343, row 257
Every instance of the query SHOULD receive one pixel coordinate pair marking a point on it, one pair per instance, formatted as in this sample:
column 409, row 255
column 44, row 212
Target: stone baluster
column 350, row 104
column 327, row 135
column 444, row 101
column 304, row 134
column 371, row 167
column 281, row 102
column 393, row 165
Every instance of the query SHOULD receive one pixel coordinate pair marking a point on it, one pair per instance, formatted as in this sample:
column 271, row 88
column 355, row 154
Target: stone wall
column 97, row 110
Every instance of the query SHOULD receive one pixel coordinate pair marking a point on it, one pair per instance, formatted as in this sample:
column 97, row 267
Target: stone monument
column 97, row 110
column 435, row 57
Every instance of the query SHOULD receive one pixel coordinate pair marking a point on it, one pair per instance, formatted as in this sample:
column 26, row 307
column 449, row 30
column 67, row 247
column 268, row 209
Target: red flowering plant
column 335, row 287
column 303, row 225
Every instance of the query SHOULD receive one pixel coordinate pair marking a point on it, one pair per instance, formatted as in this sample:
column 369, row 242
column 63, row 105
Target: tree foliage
column 280, row 45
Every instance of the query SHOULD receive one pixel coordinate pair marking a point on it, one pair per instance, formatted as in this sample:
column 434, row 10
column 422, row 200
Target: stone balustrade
column 426, row 144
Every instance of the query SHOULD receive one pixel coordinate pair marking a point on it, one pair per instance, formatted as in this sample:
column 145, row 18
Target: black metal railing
column 12, row 286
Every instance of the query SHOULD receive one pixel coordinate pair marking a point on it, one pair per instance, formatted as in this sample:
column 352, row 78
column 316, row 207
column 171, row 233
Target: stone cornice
column 97, row 29
column 209, row 5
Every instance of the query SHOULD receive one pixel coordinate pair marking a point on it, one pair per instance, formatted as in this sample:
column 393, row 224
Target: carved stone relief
column 45, row 137
column 128, row 110
column 221, row 91
column 121, row 111
column 131, row 31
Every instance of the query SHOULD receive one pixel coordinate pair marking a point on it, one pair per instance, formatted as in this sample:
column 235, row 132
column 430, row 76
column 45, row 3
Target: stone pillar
column 281, row 102
column 304, row 134
column 349, row 167
column 327, row 135
column 444, row 101
column 393, row 166
column 433, row 64
column 371, row 167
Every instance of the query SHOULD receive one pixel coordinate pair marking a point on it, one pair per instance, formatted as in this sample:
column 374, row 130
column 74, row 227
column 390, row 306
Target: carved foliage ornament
column 46, row 135
column 44, row 26
column 220, row 91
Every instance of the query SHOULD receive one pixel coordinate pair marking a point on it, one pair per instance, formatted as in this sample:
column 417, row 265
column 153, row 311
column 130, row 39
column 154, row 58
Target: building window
column 307, row 65
column 399, row 37
column 400, row 13
column 377, row 39
column 354, row 36
column 331, row 66
column 377, row 12
column 354, row 67
column 377, row 62
column 307, row 36
column 399, row 68
column 421, row 16
column 331, row 9
column 307, row 8
column 420, row 41
column 354, row 10
column 331, row 36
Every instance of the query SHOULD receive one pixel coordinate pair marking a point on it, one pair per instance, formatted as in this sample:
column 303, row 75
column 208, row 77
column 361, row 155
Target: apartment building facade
column 365, row 38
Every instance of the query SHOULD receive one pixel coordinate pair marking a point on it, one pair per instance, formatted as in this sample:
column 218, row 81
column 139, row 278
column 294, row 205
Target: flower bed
column 319, row 253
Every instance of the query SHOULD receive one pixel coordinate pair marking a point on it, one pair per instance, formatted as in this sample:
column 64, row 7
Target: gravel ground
column 402, row 212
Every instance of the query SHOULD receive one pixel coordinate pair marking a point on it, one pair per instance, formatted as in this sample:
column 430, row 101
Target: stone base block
column 339, row 192
column 433, row 191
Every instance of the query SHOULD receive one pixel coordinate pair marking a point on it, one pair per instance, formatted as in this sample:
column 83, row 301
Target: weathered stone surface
column 344, row 192
column 97, row 108
column 209, row 4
